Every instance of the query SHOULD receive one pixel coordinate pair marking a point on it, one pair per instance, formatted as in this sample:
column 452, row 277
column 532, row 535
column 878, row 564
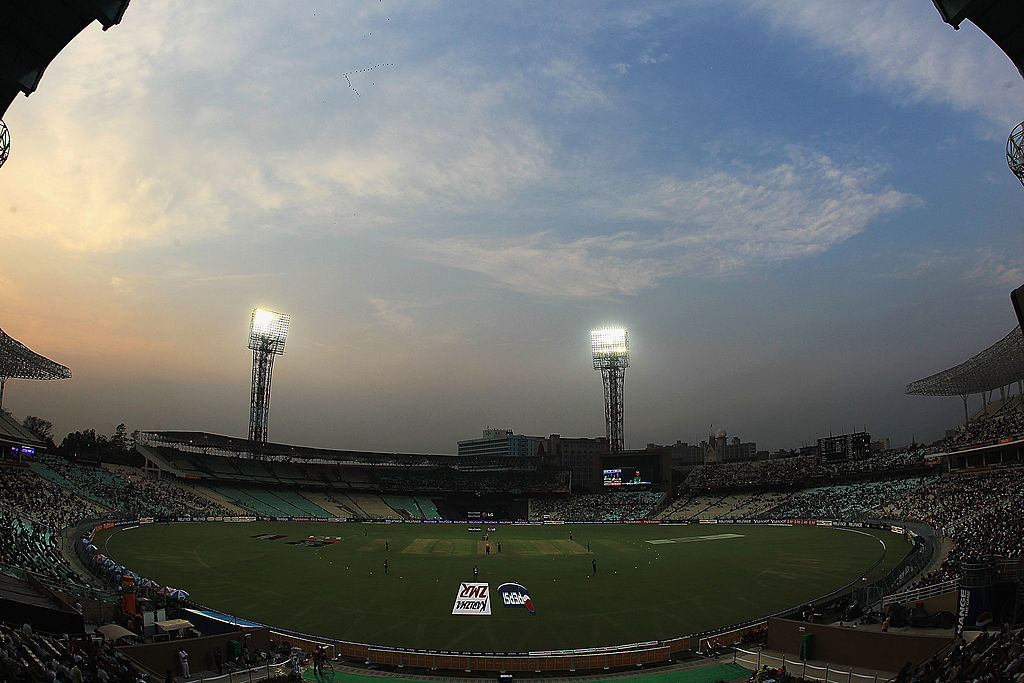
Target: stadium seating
column 405, row 506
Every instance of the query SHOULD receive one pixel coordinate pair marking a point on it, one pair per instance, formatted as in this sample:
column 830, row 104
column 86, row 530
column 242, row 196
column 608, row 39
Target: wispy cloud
column 709, row 225
column 221, row 144
column 997, row 268
column 905, row 50
column 390, row 313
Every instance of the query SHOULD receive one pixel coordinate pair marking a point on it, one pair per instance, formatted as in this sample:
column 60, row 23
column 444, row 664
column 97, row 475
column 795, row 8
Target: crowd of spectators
column 982, row 513
column 613, row 506
column 850, row 501
column 130, row 495
column 174, row 499
column 985, row 429
column 997, row 657
column 32, row 515
column 799, row 471
column 446, row 478
column 26, row 656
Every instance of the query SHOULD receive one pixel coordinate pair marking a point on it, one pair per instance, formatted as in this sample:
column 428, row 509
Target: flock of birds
column 362, row 71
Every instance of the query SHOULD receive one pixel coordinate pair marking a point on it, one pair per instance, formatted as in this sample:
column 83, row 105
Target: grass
column 641, row 591
column 708, row 674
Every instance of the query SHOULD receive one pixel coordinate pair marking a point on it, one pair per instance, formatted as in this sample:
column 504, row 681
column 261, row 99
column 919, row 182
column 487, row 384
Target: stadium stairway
column 405, row 506
column 300, row 502
column 333, row 508
column 373, row 506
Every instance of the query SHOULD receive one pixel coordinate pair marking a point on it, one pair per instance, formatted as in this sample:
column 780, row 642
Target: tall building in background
column 500, row 443
column 610, row 348
column 267, row 334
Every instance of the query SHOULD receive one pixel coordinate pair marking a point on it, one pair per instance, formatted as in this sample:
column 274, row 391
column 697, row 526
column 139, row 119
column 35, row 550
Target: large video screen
column 624, row 476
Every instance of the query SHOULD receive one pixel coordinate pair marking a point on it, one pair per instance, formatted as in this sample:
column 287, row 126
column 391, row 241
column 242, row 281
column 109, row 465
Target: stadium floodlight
column 268, row 332
column 610, row 348
column 1015, row 151
column 5, row 143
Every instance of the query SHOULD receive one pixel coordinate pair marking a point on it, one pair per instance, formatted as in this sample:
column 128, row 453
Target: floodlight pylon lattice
column 268, row 332
column 17, row 361
column 5, row 143
column 610, row 347
column 1015, row 151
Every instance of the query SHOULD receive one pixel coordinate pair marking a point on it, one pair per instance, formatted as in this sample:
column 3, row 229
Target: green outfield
column 652, row 582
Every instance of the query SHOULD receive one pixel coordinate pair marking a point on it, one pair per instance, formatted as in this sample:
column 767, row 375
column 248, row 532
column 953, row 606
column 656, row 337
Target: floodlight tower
column 1015, row 151
column 267, row 334
column 611, row 357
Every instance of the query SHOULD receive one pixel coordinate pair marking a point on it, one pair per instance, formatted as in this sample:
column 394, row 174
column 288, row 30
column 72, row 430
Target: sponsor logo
column 310, row 541
column 473, row 598
column 963, row 610
column 514, row 595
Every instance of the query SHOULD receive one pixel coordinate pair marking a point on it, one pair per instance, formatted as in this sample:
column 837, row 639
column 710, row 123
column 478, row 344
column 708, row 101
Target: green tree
column 120, row 438
column 40, row 427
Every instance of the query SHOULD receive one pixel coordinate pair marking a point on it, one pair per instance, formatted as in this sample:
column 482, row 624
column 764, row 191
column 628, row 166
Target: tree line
column 86, row 442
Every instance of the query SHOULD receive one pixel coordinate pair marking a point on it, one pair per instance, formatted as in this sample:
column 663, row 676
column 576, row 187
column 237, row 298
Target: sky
column 795, row 208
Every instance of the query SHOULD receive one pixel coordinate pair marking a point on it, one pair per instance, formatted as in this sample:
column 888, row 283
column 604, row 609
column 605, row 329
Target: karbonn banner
column 472, row 598
column 514, row 595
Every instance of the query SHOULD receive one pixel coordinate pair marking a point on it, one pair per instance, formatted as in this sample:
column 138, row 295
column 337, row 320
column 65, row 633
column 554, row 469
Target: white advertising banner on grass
column 472, row 598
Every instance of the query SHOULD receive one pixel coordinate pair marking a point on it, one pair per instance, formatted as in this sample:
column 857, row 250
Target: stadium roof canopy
column 228, row 446
column 17, row 361
column 1001, row 20
column 33, row 32
column 997, row 366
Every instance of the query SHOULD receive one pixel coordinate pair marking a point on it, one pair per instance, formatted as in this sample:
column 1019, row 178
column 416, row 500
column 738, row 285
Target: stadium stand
column 372, row 506
column 615, row 506
column 405, row 506
column 26, row 655
column 979, row 512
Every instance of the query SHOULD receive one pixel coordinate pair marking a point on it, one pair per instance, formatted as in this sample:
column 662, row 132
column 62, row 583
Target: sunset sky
column 796, row 208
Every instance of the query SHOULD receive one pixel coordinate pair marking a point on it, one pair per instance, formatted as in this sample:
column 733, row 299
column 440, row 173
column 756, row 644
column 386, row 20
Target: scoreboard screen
column 624, row 476
column 612, row 477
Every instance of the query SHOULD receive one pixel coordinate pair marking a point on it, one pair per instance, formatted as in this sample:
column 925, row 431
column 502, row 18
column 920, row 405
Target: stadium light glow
column 609, row 343
column 268, row 332
column 610, row 347
column 268, row 329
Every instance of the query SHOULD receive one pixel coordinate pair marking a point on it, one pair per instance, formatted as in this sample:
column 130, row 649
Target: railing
column 754, row 659
column 262, row 672
column 921, row 593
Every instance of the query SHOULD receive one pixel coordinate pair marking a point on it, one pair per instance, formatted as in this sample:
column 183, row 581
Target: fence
column 256, row 673
column 755, row 659
column 921, row 593
column 909, row 567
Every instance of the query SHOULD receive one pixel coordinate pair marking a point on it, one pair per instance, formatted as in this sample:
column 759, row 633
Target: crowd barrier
column 257, row 673
column 527, row 663
column 755, row 659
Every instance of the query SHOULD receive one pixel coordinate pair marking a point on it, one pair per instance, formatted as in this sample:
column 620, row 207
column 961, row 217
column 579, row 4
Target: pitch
column 651, row 582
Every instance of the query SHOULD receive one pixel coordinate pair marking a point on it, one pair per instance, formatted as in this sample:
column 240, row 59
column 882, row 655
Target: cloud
column 709, row 225
column 906, row 51
column 389, row 313
column 573, row 88
column 999, row 269
column 149, row 139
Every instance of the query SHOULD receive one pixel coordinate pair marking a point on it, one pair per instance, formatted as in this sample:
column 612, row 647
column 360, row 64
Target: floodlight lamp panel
column 609, row 342
column 268, row 330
